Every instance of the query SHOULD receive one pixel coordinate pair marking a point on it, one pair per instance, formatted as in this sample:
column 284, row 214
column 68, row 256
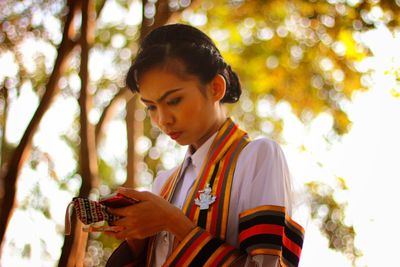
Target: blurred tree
column 304, row 52
column 301, row 52
column 74, row 246
column 16, row 26
column 75, row 34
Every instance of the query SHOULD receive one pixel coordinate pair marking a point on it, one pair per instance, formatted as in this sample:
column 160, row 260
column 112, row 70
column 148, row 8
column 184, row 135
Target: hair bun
column 233, row 86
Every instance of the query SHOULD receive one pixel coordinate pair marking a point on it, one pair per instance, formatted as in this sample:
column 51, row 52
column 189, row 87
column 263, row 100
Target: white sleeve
column 265, row 181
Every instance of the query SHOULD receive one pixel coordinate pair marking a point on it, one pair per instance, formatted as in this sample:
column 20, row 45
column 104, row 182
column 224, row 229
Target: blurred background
column 321, row 77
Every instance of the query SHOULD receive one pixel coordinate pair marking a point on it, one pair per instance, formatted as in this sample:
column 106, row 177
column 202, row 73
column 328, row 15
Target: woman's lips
column 175, row 135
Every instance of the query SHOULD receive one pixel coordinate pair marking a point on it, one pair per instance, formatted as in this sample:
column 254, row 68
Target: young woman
column 229, row 203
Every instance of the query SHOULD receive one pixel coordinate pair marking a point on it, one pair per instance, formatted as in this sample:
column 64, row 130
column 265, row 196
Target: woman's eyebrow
column 163, row 96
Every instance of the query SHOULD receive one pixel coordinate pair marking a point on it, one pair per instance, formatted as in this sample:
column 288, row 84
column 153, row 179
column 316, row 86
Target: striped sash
column 217, row 171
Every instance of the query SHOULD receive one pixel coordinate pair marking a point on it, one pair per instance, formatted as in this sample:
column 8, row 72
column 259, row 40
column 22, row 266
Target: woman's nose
column 165, row 118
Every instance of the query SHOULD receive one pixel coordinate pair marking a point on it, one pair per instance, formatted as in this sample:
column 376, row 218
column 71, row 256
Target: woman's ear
column 218, row 87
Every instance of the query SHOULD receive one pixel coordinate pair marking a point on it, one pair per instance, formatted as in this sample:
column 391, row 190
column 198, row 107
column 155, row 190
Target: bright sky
column 367, row 157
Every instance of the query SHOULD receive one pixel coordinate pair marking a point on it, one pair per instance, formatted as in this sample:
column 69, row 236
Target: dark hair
column 189, row 46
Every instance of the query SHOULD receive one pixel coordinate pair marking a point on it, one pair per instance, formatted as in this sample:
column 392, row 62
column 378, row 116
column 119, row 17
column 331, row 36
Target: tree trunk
column 3, row 159
column 134, row 129
column 133, row 126
column 73, row 251
column 24, row 147
column 124, row 94
column 3, row 155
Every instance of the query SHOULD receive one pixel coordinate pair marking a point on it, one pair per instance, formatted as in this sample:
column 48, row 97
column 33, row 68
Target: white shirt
column 261, row 178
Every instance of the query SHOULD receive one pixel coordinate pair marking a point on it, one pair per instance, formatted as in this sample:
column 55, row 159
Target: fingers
column 122, row 212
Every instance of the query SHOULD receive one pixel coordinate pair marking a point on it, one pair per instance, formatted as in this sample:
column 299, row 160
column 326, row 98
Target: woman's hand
column 150, row 216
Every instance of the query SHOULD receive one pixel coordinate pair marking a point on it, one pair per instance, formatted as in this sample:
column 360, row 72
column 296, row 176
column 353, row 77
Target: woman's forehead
column 156, row 82
column 171, row 65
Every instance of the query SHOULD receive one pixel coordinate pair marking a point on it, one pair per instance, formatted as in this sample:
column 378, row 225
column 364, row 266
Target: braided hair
column 189, row 46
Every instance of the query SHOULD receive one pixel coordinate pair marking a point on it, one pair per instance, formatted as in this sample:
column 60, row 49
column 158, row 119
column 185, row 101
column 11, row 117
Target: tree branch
column 74, row 246
column 23, row 149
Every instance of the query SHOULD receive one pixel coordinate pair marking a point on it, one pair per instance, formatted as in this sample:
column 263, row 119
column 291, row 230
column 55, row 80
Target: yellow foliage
column 352, row 52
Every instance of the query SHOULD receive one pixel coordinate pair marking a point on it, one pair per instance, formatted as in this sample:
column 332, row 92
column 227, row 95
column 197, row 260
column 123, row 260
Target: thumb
column 134, row 194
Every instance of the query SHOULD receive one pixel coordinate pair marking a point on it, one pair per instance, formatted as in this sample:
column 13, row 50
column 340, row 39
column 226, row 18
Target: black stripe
column 186, row 246
column 214, row 174
column 274, row 240
column 290, row 257
column 230, row 253
column 206, row 252
column 202, row 220
column 226, row 199
column 88, row 212
column 294, row 236
column 263, row 219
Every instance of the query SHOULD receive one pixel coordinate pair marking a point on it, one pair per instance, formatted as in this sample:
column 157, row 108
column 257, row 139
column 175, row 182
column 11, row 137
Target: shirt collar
column 200, row 154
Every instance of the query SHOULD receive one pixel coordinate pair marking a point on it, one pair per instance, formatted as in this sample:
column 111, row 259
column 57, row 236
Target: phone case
column 101, row 228
column 117, row 201
column 88, row 212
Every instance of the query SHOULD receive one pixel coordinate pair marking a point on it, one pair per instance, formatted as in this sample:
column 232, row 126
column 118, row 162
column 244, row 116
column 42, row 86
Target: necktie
column 185, row 166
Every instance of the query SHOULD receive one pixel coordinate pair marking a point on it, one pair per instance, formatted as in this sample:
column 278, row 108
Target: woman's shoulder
column 260, row 147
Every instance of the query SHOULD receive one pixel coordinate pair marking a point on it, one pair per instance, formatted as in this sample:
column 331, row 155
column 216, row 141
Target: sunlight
column 366, row 157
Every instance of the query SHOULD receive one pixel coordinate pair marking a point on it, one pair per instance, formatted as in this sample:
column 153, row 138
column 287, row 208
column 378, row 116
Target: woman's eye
column 174, row 101
column 150, row 108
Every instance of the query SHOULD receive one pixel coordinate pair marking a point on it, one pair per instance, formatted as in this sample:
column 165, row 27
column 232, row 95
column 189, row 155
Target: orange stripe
column 294, row 224
column 231, row 259
column 262, row 208
column 193, row 249
column 216, row 211
column 228, row 186
column 265, row 251
column 290, row 245
column 194, row 212
column 166, row 190
column 211, row 160
column 214, row 207
column 199, row 185
column 222, row 144
column 220, row 253
column 182, row 245
column 260, row 229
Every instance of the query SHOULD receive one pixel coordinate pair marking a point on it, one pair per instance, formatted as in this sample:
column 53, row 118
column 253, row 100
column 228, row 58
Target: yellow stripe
column 294, row 224
column 231, row 259
column 166, row 190
column 262, row 208
column 222, row 216
column 215, row 255
column 222, row 152
column 225, row 211
column 181, row 246
column 194, row 188
column 228, row 145
column 214, row 190
column 194, row 252
column 266, row 251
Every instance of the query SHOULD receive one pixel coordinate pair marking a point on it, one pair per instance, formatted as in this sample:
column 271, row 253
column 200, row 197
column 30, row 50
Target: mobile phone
column 117, row 201
column 102, row 228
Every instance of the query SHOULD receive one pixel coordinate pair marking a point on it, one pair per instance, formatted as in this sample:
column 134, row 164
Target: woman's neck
column 220, row 120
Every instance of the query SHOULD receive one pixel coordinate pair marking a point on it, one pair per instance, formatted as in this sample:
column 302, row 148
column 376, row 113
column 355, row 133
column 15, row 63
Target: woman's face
column 184, row 109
